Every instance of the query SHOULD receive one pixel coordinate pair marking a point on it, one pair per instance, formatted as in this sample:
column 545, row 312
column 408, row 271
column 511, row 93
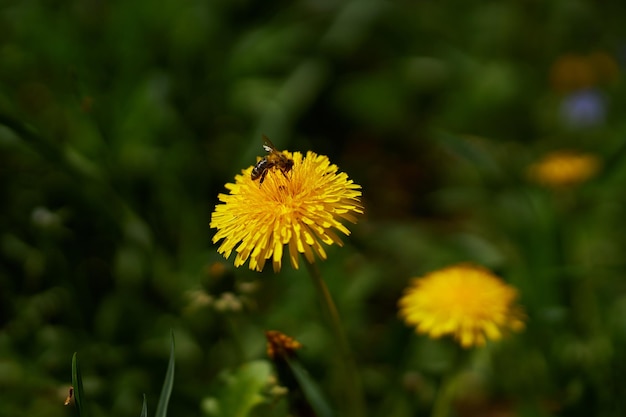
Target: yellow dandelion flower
column 572, row 72
column 564, row 168
column 465, row 301
column 300, row 209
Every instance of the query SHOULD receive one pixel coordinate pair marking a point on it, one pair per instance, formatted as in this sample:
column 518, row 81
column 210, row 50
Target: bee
column 273, row 159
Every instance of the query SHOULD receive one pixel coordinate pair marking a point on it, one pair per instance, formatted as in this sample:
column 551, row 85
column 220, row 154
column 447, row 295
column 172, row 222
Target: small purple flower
column 583, row 109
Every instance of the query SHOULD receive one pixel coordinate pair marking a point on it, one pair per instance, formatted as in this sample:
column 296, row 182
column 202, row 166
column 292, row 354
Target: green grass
column 121, row 122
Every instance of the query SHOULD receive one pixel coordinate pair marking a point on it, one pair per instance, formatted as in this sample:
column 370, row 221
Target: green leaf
column 473, row 150
column 166, row 391
column 242, row 390
column 310, row 389
column 77, row 383
column 144, row 408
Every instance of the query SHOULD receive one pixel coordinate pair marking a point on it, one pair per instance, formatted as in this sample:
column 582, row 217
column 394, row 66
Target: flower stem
column 352, row 383
column 445, row 395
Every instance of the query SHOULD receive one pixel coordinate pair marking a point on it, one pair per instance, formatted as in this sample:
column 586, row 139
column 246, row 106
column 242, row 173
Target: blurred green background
column 120, row 122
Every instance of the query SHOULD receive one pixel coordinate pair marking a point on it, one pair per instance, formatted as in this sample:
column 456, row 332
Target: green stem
column 445, row 395
column 233, row 329
column 352, row 382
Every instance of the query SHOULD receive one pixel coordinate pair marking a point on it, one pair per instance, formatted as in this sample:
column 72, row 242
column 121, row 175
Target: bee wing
column 268, row 145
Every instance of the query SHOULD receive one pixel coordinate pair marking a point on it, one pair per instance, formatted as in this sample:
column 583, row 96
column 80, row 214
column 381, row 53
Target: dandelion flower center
column 465, row 301
column 300, row 209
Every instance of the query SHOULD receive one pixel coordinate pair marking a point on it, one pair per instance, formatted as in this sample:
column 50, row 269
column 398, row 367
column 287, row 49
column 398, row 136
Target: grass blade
column 166, row 391
column 310, row 389
column 144, row 408
column 77, row 383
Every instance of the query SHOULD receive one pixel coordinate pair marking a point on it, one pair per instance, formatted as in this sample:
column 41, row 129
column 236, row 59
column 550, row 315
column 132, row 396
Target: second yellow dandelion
column 465, row 301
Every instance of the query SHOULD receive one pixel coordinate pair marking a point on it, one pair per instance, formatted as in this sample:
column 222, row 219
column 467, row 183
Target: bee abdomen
column 258, row 169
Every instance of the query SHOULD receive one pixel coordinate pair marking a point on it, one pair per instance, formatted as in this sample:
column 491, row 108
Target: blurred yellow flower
column 300, row 209
column 605, row 66
column 573, row 72
column 465, row 301
column 564, row 168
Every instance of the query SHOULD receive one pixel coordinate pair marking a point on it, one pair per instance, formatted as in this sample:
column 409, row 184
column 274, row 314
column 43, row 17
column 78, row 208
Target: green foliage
column 241, row 390
column 310, row 389
column 144, row 408
column 168, row 383
column 120, row 122
column 77, row 383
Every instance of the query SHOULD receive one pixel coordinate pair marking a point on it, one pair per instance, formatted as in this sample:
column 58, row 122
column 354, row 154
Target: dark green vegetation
column 120, row 122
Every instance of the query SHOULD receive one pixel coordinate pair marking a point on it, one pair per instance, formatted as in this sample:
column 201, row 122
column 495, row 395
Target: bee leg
column 263, row 177
column 285, row 173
